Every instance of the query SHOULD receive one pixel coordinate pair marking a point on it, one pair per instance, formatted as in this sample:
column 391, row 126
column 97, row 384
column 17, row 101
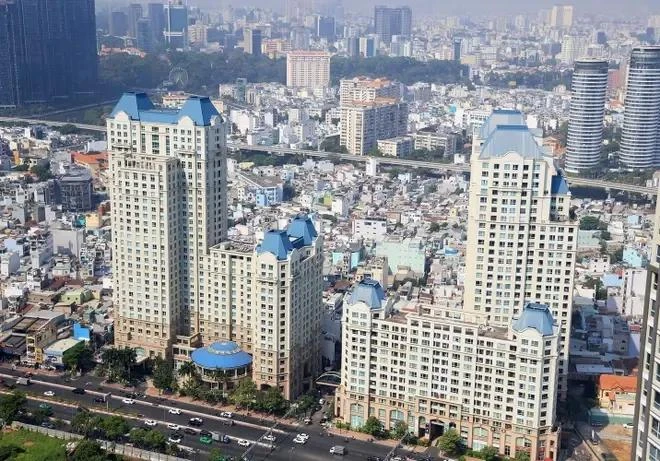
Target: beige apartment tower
column 308, row 69
column 363, row 123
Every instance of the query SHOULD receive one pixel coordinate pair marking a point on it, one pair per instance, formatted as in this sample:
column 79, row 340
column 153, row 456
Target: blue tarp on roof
column 511, row 138
column 537, row 316
column 369, row 292
column 221, row 355
column 138, row 106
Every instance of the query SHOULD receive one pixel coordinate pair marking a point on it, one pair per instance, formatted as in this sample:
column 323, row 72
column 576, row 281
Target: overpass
column 282, row 150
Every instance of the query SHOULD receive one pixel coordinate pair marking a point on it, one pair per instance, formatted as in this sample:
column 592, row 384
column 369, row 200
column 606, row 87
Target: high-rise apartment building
column 561, row 16
column 392, row 21
column 300, row 38
column 363, row 123
column 180, row 284
column 432, row 364
column 48, row 50
column 646, row 435
column 308, row 69
column 156, row 14
column 366, row 89
column 458, row 45
column 521, row 241
column 367, row 46
column 586, row 116
column 134, row 15
column 252, row 40
column 573, row 47
column 640, row 137
column 176, row 25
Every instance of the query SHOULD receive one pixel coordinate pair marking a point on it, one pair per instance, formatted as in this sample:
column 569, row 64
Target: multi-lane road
column 459, row 168
column 66, row 404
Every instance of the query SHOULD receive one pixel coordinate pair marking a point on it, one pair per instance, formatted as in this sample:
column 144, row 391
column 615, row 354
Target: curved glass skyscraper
column 640, row 139
column 585, row 123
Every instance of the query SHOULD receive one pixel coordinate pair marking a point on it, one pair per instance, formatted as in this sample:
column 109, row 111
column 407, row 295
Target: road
column 65, row 405
column 281, row 150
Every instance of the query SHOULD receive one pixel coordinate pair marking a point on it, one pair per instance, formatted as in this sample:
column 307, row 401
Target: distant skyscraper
column 325, row 27
column 47, row 50
column 640, row 137
column 252, row 40
column 392, row 21
column 118, row 24
column 458, row 43
column 156, row 15
column 308, row 69
column 573, row 47
column 144, row 36
column 561, row 16
column 352, row 46
column 367, row 47
column 134, row 15
column 585, row 122
column 176, row 25
column 300, row 38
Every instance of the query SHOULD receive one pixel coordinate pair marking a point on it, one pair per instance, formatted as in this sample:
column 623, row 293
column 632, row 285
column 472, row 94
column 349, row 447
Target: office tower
column 521, row 240
column 392, row 21
column 458, row 43
column 181, row 285
column 646, row 435
column 400, row 46
column 601, row 38
column 587, row 111
column 118, row 24
column 48, row 50
column 640, row 137
column 300, row 38
column 240, row 88
column 325, row 27
column 367, row 47
column 144, row 35
column 156, row 14
column 308, row 69
column 168, row 192
column 252, row 40
column 366, row 89
column 296, row 10
column 364, row 122
column 429, row 363
column 561, row 16
column 134, row 15
column 176, row 25
column 352, row 45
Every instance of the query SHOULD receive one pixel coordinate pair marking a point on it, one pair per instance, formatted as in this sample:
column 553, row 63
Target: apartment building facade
column 308, row 69
column 363, row 123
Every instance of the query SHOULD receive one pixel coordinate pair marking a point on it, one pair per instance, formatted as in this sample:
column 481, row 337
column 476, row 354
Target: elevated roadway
column 282, row 150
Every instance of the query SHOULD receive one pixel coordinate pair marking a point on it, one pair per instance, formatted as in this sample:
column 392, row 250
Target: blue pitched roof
column 302, row 227
column 276, row 242
column 369, row 292
column 221, row 355
column 537, row 316
column 138, row 106
column 559, row 185
column 511, row 138
column 501, row 117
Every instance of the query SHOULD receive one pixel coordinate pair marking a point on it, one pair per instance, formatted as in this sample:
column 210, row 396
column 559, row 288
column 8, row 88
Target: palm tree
column 221, row 377
column 188, row 369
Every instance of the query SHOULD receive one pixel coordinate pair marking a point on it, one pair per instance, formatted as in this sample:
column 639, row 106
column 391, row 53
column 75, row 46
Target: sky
column 613, row 8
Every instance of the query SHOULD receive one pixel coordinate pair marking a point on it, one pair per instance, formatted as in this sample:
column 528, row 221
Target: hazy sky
column 464, row 7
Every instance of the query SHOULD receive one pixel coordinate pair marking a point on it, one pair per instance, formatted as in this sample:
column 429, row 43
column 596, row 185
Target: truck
column 338, row 450
column 224, row 438
column 23, row 381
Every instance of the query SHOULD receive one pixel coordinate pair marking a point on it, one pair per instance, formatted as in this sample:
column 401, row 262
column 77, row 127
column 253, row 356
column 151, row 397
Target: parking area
column 611, row 442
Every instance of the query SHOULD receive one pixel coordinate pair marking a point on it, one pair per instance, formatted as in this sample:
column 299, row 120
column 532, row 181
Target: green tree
column 42, row 172
column 244, row 394
column 114, row 427
column 163, row 374
column 216, row 455
column 85, row 423
column 271, row 400
column 10, row 405
column 451, row 442
column 188, row 370
column 80, row 357
column 155, row 440
column 10, row 452
column 373, row 426
column 68, row 129
column 305, row 403
column 489, row 454
column 522, row 456
column 88, row 450
column 435, row 227
column 118, row 363
column 399, row 430
column 21, row 167
column 589, row 223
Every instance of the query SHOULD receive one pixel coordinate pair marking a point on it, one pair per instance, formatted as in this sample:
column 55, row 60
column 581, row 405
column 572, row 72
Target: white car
column 627, row 426
column 303, row 436
column 128, row 401
column 150, row 422
column 243, row 442
column 174, row 427
column 175, row 411
column 321, row 401
column 300, row 441
column 269, row 438
column 174, row 439
column 49, row 394
column 227, row 414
